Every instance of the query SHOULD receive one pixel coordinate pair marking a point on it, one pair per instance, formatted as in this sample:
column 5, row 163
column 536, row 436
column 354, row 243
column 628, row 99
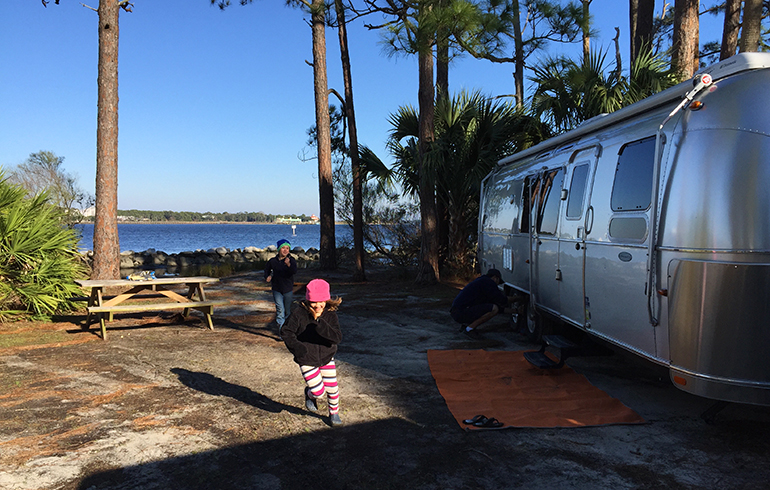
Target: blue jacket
column 482, row 290
column 283, row 275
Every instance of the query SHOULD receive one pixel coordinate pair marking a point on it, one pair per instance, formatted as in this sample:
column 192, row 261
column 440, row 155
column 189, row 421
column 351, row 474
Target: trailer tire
column 534, row 324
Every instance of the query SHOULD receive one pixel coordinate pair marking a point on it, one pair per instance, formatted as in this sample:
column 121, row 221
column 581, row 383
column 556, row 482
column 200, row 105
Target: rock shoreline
column 155, row 259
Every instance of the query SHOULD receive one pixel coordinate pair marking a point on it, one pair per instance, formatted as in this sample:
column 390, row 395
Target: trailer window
column 577, row 190
column 502, row 208
column 549, row 200
column 628, row 228
column 632, row 190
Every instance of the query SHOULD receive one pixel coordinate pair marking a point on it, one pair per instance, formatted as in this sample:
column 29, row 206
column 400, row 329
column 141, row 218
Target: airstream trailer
column 649, row 228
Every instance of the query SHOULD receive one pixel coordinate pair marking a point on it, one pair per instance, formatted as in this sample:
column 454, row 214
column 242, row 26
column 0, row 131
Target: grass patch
column 22, row 339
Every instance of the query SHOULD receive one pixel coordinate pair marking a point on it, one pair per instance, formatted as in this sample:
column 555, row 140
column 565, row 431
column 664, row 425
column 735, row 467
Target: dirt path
column 167, row 404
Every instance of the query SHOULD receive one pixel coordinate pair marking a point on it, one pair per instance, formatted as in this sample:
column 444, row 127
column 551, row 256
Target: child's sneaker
column 335, row 419
column 310, row 402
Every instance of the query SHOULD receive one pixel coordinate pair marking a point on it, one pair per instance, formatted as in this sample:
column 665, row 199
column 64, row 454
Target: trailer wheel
column 534, row 326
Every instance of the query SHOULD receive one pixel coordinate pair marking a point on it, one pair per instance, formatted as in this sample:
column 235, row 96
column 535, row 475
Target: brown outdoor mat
column 504, row 386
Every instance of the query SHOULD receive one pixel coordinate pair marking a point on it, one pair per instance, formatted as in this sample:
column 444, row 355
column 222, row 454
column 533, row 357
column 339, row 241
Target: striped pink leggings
column 322, row 380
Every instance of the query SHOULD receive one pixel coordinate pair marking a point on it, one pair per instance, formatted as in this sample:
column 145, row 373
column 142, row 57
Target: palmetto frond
column 569, row 92
column 37, row 254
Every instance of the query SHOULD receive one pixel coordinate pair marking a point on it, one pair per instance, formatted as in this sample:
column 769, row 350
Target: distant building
column 314, row 218
column 288, row 221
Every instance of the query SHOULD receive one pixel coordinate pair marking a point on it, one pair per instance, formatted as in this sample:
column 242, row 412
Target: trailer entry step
column 541, row 360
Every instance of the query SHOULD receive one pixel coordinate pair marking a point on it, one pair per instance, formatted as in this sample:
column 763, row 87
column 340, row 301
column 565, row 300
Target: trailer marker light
column 680, row 380
column 696, row 105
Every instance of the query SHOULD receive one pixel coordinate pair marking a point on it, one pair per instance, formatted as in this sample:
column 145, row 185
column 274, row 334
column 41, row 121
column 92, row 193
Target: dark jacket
column 482, row 290
column 313, row 342
column 283, row 275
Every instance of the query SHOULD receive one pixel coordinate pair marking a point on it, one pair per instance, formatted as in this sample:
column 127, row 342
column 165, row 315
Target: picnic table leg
column 191, row 296
column 100, row 302
column 91, row 302
column 210, row 310
column 197, row 290
column 208, row 313
column 94, row 299
column 194, row 290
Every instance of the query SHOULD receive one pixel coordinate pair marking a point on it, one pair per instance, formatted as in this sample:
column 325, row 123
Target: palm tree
column 472, row 133
column 649, row 75
column 569, row 93
column 38, row 256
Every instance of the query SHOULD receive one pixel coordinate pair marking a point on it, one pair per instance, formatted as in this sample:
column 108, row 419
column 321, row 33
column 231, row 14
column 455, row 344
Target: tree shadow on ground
column 212, row 385
column 266, row 330
column 391, row 453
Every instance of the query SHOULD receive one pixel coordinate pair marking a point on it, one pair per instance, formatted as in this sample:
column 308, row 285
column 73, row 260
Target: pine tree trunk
column 442, row 67
column 752, row 26
column 586, row 30
column 732, row 26
column 442, row 88
column 633, row 22
column 106, row 263
column 684, row 53
column 328, row 252
column 359, row 273
column 428, row 272
column 518, row 75
column 641, row 26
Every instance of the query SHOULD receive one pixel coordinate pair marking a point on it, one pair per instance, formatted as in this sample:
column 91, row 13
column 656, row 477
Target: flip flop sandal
column 475, row 420
column 485, row 423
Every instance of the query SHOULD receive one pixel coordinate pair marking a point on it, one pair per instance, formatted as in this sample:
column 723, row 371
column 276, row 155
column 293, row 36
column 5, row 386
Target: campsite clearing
column 167, row 403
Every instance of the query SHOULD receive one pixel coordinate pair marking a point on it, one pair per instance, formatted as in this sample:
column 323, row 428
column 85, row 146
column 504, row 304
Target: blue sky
column 214, row 105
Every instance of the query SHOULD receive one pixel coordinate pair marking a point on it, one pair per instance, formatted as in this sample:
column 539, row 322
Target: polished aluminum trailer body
column 650, row 228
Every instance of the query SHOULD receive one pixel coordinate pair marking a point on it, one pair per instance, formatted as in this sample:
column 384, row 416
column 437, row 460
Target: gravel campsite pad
column 167, row 404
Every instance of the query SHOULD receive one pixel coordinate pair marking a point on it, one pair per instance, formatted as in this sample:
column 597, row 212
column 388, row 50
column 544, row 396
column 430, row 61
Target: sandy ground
column 168, row 404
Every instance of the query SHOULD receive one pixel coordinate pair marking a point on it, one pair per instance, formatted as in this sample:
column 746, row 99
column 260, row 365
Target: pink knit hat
column 317, row 290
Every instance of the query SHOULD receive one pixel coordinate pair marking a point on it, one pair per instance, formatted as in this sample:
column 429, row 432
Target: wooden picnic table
column 103, row 306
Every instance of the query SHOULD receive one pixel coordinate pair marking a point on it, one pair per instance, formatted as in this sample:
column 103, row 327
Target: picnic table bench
column 103, row 307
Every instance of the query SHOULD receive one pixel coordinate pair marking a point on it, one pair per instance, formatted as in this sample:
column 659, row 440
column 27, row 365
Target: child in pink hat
column 312, row 333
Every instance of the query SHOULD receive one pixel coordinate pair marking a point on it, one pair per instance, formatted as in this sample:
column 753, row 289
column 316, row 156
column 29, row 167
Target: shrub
column 38, row 254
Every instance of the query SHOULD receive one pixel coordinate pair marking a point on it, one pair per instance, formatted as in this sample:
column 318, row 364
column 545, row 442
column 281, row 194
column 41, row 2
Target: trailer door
column 616, row 264
column 546, row 202
column 572, row 241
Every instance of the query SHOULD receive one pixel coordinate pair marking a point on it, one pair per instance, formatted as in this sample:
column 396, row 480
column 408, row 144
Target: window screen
column 633, row 176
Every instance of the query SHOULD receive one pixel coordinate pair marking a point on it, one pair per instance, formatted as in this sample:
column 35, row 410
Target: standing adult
column 478, row 302
column 279, row 272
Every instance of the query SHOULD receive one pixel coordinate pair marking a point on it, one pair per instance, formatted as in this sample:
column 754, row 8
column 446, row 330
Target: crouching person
column 479, row 302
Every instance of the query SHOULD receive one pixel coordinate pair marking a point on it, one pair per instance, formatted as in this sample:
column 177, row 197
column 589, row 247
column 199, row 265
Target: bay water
column 175, row 238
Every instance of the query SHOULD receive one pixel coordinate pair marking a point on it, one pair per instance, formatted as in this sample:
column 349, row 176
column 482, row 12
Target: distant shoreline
column 206, row 223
